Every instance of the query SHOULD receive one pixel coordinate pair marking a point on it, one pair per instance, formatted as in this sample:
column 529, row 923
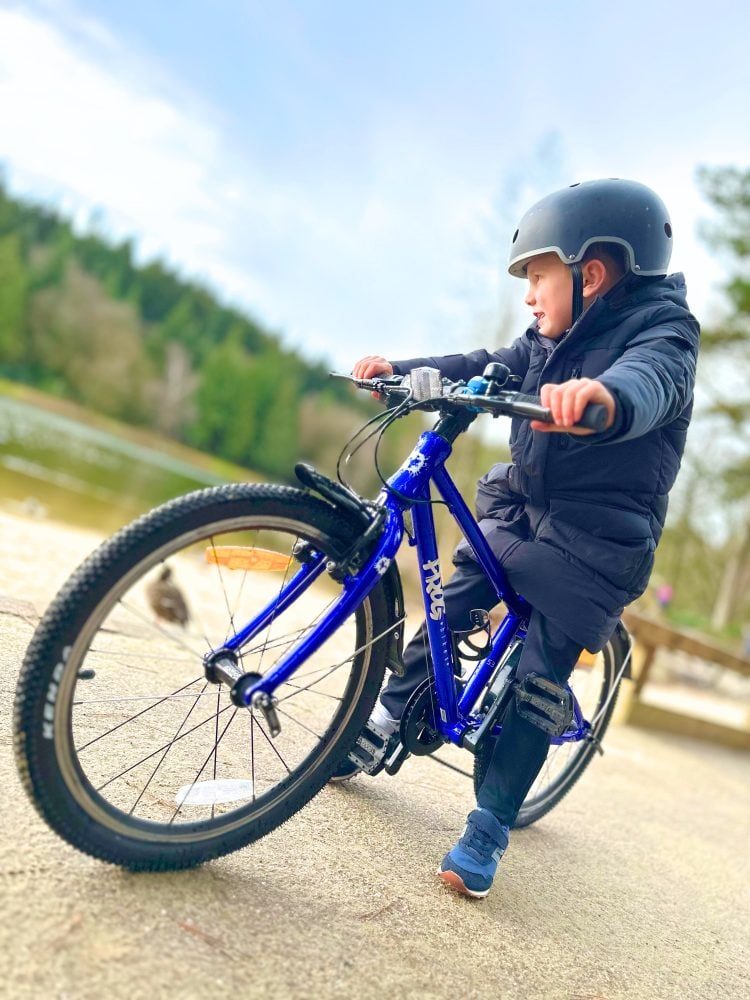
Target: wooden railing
column 651, row 634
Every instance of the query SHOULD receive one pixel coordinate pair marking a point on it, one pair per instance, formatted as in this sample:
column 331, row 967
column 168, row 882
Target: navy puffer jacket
column 595, row 505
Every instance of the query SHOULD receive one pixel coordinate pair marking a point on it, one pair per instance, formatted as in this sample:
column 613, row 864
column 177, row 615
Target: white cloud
column 73, row 131
column 90, row 126
column 401, row 257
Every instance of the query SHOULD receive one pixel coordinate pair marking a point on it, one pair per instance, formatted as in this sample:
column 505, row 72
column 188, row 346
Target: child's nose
column 529, row 297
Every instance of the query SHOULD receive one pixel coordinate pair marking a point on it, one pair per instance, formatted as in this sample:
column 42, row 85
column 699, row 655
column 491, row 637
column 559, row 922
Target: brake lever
column 393, row 381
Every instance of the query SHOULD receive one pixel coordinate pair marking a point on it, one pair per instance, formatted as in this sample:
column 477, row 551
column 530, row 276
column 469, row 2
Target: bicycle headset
column 569, row 221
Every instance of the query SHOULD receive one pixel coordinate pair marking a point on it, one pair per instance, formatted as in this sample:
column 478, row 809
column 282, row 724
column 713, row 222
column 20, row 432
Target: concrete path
column 635, row 887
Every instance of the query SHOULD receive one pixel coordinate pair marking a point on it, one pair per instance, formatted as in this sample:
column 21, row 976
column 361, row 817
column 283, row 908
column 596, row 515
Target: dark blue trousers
column 522, row 747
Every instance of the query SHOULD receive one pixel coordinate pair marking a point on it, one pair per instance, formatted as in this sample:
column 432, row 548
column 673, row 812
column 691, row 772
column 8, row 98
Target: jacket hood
column 631, row 292
column 666, row 299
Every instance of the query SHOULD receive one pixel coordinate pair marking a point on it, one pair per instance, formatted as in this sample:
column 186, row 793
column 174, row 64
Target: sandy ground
column 636, row 886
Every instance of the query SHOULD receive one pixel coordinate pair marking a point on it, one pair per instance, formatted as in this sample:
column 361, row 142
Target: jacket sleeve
column 652, row 381
column 464, row 366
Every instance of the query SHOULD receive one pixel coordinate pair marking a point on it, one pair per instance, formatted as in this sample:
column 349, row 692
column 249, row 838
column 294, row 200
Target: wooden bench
column 666, row 713
column 650, row 634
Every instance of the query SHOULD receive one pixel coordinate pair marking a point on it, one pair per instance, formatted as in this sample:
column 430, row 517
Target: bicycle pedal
column 370, row 748
column 545, row 704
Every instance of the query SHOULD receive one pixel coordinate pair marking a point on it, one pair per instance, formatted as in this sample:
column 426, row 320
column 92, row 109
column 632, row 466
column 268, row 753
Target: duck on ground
column 166, row 599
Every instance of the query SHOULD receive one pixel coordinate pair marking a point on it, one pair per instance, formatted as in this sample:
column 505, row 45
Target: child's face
column 550, row 294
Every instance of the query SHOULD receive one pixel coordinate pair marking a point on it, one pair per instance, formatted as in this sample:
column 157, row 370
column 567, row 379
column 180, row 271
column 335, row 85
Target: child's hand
column 567, row 402
column 372, row 365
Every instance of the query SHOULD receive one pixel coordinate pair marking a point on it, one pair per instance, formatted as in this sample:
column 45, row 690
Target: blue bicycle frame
column 409, row 489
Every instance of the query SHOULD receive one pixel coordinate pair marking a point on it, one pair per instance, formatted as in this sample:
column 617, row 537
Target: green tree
column 80, row 319
column 91, row 347
column 13, row 292
column 159, row 291
column 275, row 391
column 726, row 347
column 10, row 213
column 225, row 408
column 728, row 190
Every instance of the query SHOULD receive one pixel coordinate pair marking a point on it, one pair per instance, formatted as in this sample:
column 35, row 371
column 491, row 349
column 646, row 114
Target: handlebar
column 427, row 390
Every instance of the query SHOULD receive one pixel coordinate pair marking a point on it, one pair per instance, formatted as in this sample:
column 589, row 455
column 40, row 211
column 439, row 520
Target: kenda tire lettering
column 48, row 711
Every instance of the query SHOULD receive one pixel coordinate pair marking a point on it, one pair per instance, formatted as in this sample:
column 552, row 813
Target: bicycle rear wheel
column 125, row 748
column 595, row 685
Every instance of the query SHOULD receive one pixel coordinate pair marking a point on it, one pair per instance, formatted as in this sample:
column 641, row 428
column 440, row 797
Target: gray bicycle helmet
column 567, row 222
column 616, row 211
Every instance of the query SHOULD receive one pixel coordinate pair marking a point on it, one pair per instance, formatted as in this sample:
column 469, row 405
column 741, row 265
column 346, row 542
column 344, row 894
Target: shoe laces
column 481, row 843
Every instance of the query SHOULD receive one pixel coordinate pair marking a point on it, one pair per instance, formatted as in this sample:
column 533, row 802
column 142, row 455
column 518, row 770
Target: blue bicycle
column 204, row 672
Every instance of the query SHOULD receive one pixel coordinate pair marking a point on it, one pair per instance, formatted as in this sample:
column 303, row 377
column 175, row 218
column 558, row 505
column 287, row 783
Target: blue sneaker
column 470, row 866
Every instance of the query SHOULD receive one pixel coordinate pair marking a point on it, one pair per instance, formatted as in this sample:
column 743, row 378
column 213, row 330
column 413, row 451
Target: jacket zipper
column 575, row 372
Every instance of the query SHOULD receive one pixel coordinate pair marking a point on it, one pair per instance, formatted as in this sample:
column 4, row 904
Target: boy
column 575, row 518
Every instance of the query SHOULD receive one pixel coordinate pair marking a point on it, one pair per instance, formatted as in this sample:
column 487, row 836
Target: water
column 57, row 466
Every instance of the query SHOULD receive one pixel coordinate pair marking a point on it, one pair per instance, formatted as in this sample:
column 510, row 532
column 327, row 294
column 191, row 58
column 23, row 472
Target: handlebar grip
column 594, row 417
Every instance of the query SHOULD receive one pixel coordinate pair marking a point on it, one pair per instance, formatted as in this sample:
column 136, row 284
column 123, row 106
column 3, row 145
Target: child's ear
column 594, row 277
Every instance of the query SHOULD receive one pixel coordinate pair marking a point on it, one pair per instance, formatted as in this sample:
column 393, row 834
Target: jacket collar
column 607, row 311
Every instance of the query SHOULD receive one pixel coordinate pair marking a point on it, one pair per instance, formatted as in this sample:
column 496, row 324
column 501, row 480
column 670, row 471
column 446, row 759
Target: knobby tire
column 76, row 738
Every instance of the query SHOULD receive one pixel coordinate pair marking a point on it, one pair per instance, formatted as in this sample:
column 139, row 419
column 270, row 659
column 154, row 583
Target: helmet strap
column 577, row 291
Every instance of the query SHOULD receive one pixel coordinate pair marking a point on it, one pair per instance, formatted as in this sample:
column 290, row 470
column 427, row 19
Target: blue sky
column 350, row 172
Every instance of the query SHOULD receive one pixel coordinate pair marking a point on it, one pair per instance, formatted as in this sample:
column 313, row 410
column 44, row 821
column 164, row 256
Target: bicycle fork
column 250, row 689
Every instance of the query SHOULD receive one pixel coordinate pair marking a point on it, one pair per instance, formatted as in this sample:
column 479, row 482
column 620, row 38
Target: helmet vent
column 667, row 230
column 515, row 237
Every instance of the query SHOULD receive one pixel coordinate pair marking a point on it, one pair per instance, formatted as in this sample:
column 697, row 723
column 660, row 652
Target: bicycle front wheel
column 127, row 751
column 595, row 683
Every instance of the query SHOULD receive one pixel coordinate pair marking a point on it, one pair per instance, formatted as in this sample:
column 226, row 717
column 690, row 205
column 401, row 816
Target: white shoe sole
column 455, row 882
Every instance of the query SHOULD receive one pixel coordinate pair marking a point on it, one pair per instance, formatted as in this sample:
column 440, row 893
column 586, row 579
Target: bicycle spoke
column 349, row 659
column 162, row 758
column 126, row 654
column 252, row 753
column 217, row 563
column 176, row 639
column 264, row 647
column 300, row 690
column 212, row 753
column 288, row 715
column 141, row 697
column 126, row 722
column 308, row 687
column 271, row 744
column 216, row 742
column 143, row 760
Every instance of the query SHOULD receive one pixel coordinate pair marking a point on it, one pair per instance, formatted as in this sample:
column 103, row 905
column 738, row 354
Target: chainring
column 418, row 733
